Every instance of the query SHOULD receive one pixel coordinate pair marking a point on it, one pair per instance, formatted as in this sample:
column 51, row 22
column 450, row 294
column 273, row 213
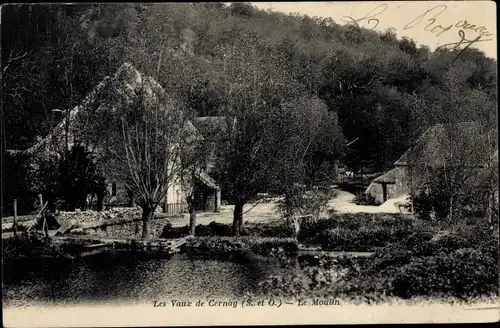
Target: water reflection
column 119, row 277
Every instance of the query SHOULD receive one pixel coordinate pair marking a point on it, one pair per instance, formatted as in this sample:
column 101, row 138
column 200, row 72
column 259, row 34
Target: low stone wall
column 93, row 216
column 116, row 222
column 126, row 229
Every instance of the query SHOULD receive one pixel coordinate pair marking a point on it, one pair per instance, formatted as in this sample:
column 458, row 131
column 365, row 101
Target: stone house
column 126, row 80
column 473, row 146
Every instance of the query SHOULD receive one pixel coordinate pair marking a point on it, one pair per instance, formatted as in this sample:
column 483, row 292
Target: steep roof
column 125, row 82
column 440, row 141
column 207, row 180
column 388, row 177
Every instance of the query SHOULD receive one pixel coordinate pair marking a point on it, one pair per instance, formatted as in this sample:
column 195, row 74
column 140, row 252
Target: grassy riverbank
column 264, row 246
column 411, row 259
column 423, row 260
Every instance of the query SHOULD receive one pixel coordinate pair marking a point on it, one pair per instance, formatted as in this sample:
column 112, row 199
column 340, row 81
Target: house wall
column 375, row 190
column 174, row 200
column 206, row 200
column 399, row 188
column 175, row 195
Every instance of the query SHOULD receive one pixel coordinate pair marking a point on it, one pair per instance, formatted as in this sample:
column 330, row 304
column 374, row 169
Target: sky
column 430, row 23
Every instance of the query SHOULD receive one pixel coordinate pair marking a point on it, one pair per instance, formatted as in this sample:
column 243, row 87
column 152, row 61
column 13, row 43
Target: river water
column 132, row 278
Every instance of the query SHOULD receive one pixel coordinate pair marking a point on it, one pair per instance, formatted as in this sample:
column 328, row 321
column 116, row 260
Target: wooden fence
column 176, row 209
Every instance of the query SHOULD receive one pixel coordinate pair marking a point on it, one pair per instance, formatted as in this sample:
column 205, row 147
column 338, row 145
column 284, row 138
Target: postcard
column 267, row 163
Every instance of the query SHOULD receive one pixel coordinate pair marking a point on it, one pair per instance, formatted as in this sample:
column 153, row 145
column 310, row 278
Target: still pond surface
column 133, row 278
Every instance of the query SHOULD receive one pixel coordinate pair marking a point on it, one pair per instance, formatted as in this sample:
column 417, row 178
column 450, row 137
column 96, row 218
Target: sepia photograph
column 208, row 163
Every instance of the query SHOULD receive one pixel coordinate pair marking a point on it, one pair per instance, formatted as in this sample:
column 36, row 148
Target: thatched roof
column 124, row 82
column 207, row 180
column 388, row 177
column 440, row 141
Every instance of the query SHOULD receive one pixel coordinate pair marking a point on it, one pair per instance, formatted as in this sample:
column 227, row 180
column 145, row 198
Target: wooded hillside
column 384, row 91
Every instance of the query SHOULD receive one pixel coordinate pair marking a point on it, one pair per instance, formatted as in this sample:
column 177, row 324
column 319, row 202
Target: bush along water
column 276, row 230
column 29, row 245
column 359, row 232
column 456, row 263
column 411, row 258
column 280, row 248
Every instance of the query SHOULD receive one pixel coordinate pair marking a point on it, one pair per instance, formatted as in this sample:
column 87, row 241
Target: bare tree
column 145, row 131
column 192, row 169
column 270, row 126
column 454, row 156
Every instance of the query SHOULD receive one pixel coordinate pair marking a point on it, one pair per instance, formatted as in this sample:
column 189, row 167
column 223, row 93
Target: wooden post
column 40, row 199
column 44, row 226
column 15, row 218
column 217, row 200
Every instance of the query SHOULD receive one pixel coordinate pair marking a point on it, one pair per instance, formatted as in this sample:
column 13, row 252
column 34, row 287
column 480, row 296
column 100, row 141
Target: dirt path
column 344, row 203
column 267, row 211
column 263, row 212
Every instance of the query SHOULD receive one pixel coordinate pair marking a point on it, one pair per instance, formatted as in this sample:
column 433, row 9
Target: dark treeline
column 384, row 91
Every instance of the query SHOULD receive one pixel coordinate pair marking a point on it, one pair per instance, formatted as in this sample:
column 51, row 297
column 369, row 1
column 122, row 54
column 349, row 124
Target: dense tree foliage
column 375, row 88
column 52, row 55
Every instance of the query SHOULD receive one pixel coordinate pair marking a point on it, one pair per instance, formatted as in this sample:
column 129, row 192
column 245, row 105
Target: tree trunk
column 238, row 218
column 192, row 215
column 136, row 232
column 14, row 225
column 100, row 200
column 148, row 212
column 293, row 223
column 51, row 199
column 412, row 192
column 450, row 213
column 83, row 202
column 489, row 211
column 131, row 200
column 192, row 222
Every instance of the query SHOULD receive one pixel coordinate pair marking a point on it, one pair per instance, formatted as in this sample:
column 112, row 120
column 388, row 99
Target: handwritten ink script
column 430, row 21
column 213, row 303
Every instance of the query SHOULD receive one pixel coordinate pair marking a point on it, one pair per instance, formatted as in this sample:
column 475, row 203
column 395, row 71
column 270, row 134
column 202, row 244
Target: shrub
column 461, row 273
column 212, row 245
column 462, row 263
column 273, row 247
column 393, row 255
column 366, row 199
column 214, row 229
column 30, row 245
column 174, row 232
column 275, row 229
column 359, row 232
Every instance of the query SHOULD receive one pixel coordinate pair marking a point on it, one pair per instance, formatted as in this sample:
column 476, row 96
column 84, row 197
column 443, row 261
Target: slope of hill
column 385, row 91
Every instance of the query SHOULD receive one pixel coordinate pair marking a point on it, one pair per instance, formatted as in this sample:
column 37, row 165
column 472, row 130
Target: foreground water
column 132, row 278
